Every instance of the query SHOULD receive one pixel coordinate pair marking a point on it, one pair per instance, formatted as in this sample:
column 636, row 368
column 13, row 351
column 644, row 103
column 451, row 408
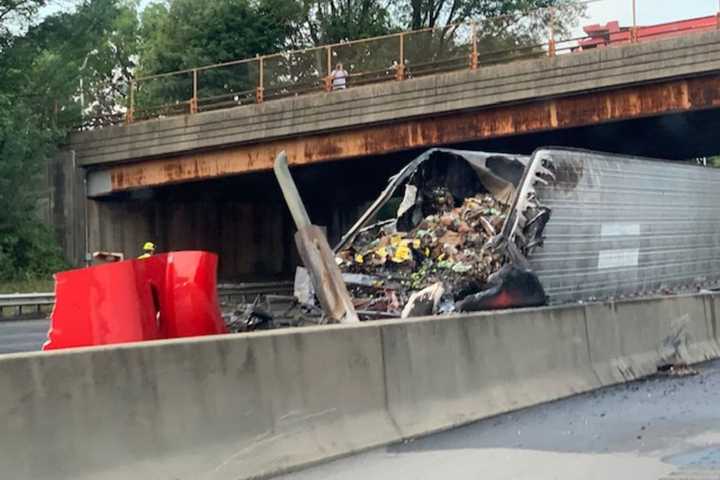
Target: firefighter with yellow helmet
column 148, row 250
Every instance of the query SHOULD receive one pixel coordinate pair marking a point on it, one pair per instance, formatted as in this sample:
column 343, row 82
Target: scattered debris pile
column 451, row 246
column 680, row 369
column 445, row 248
column 267, row 312
column 450, row 232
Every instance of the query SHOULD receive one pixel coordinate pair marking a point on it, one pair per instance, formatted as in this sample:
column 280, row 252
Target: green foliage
column 27, row 247
column 91, row 47
column 15, row 14
column 27, row 286
column 335, row 21
column 506, row 30
column 418, row 14
column 184, row 34
column 188, row 33
column 42, row 68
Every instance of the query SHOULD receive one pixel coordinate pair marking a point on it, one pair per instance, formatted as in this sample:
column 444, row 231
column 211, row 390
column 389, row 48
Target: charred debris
column 451, row 232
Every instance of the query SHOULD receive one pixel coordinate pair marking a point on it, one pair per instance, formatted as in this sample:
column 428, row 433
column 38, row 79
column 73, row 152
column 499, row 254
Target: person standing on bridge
column 339, row 77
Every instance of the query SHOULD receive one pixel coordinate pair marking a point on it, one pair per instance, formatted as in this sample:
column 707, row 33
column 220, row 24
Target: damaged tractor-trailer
column 463, row 231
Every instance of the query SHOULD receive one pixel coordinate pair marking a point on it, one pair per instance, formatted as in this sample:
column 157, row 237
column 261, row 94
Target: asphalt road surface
column 663, row 428
column 22, row 335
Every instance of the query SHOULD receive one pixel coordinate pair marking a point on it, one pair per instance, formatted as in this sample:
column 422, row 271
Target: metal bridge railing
column 396, row 57
column 469, row 45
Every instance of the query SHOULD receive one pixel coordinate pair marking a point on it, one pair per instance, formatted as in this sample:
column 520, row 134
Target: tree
column 505, row 30
column 335, row 21
column 27, row 247
column 16, row 13
column 51, row 72
column 79, row 60
column 514, row 27
column 184, row 34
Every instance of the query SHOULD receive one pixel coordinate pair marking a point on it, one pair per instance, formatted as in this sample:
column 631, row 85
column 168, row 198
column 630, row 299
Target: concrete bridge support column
column 66, row 205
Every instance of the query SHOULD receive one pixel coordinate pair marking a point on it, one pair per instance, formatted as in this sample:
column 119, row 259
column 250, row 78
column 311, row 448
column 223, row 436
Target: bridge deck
column 597, row 86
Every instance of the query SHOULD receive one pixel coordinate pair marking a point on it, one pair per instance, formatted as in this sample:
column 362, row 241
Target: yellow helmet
column 149, row 246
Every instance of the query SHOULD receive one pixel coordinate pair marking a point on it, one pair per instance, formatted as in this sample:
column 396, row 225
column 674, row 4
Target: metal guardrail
column 234, row 294
column 22, row 305
column 19, row 305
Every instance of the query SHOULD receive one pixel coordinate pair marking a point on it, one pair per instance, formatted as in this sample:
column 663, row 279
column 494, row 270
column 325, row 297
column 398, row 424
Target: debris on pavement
column 272, row 311
column 511, row 286
column 424, row 302
column 677, row 370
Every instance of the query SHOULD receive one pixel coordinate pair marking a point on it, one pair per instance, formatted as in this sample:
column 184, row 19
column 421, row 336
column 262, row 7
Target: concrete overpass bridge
column 203, row 181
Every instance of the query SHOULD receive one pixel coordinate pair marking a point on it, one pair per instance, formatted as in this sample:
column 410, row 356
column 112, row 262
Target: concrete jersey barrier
column 248, row 406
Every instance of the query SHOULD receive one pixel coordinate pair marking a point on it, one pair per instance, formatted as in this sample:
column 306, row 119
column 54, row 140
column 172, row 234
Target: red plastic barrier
column 169, row 295
column 190, row 300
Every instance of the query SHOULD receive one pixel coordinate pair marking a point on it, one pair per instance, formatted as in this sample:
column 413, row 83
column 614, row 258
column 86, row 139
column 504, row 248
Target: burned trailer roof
column 625, row 226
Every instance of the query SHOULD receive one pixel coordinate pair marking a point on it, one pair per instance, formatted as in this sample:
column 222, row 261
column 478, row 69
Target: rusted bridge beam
column 591, row 108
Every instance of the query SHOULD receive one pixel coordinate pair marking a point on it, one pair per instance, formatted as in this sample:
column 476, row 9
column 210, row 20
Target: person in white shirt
column 339, row 76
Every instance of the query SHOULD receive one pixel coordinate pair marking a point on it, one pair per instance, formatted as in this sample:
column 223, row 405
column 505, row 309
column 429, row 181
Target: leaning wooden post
column 315, row 252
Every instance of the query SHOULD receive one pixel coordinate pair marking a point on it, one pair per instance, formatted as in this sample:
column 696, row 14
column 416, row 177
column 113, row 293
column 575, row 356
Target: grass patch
column 28, row 286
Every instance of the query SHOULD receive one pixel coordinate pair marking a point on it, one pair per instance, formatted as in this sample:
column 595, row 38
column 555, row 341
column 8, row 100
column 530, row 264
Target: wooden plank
column 326, row 278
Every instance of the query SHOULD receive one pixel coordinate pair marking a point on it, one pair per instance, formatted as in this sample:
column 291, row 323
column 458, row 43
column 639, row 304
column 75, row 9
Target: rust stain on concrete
column 567, row 112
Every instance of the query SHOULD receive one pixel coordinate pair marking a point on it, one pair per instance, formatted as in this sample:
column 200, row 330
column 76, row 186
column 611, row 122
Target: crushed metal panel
column 625, row 226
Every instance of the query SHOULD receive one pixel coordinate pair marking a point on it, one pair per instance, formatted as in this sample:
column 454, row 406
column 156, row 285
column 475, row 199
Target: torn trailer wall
column 626, row 226
column 587, row 225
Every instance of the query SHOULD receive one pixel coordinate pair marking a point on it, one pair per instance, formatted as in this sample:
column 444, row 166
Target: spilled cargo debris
column 451, row 232
column 450, row 247
column 267, row 312
column 443, row 250
column 680, row 369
